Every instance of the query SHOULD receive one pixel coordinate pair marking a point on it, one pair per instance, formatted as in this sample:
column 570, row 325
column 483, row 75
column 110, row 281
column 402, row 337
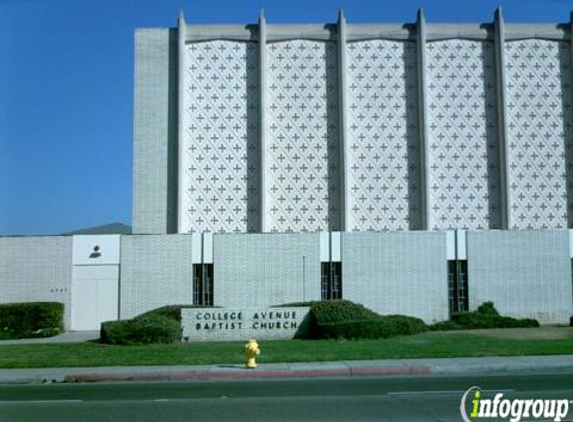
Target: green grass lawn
column 427, row 345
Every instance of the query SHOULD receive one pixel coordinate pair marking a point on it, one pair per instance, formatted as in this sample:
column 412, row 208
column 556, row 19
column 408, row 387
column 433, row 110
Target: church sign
column 241, row 324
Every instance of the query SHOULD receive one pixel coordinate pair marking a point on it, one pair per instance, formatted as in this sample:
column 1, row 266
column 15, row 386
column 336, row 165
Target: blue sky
column 66, row 91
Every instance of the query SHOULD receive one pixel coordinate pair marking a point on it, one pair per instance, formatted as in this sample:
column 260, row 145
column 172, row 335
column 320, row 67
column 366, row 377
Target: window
column 458, row 286
column 203, row 284
column 331, row 280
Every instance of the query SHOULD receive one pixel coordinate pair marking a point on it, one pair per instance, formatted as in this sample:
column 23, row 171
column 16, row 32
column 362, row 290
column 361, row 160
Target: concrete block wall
column 155, row 147
column 527, row 274
column 156, row 270
column 36, row 269
column 397, row 273
column 259, row 270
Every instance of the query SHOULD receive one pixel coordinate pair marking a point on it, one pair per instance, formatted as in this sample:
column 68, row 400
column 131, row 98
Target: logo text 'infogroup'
column 512, row 409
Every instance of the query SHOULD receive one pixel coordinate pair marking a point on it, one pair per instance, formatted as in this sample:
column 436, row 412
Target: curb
column 349, row 369
column 251, row 374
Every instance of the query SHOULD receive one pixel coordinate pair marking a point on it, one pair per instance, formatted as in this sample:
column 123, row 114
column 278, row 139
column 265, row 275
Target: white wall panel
column 36, row 269
column 155, row 271
column 155, row 131
column 397, row 273
column 462, row 130
column 220, row 151
column 302, row 155
column 540, row 132
column 527, row 274
column 259, row 270
column 382, row 136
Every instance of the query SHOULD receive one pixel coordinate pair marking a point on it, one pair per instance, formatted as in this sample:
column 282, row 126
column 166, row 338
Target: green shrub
column 571, row 321
column 473, row 320
column 306, row 329
column 145, row 329
column 31, row 319
column 329, row 312
column 155, row 329
column 470, row 320
column 161, row 325
column 444, row 326
column 525, row 323
column 408, row 325
column 382, row 327
column 333, row 311
column 345, row 319
column 169, row 311
column 487, row 308
column 115, row 332
column 486, row 316
column 354, row 330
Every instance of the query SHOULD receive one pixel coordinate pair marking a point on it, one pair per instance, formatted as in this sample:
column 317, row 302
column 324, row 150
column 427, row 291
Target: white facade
column 349, row 127
column 527, row 273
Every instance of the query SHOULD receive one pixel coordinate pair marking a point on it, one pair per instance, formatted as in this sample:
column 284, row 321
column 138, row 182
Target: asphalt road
column 411, row 398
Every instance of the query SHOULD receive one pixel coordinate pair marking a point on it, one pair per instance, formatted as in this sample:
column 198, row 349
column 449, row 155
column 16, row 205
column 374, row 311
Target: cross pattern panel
column 462, row 131
column 302, row 153
column 220, row 191
column 383, row 154
column 540, row 132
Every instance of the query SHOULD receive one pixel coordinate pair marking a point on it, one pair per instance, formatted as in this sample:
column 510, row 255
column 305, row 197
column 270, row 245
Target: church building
column 415, row 168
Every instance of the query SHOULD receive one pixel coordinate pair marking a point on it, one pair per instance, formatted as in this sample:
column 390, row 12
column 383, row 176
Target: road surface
column 410, row 398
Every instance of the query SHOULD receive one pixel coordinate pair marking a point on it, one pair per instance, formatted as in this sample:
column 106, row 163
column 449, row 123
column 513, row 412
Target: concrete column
column 182, row 36
column 569, row 200
column 422, row 121
column 504, row 188
column 344, row 209
column 263, row 119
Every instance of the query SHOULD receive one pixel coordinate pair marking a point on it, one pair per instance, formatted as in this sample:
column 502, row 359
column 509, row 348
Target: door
column 95, row 296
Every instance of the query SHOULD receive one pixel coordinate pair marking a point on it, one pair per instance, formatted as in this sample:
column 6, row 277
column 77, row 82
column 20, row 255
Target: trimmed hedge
column 144, row 329
column 407, row 324
column 487, row 308
column 444, row 326
column 160, row 325
column 467, row 320
column 486, row 316
column 383, row 327
column 155, row 329
column 31, row 319
column 172, row 311
column 345, row 319
column 354, row 330
column 333, row 311
column 115, row 332
column 169, row 311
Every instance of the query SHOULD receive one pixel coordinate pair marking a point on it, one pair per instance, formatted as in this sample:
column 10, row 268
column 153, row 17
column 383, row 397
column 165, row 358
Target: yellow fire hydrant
column 251, row 351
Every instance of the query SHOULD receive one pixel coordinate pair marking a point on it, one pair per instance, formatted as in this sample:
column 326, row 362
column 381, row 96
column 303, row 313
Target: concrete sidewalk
column 457, row 366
